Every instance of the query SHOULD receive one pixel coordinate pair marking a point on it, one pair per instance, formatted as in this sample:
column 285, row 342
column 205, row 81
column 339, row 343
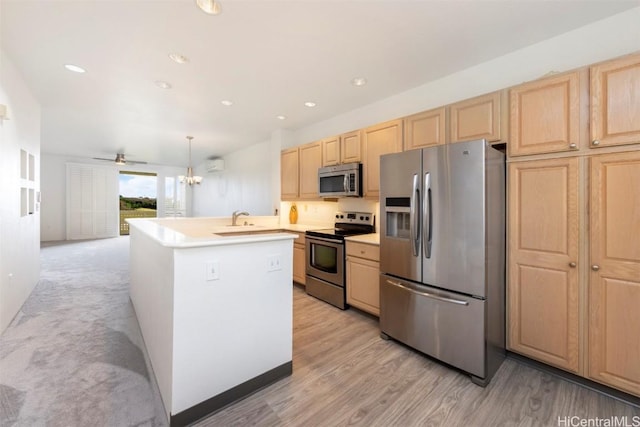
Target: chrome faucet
column 235, row 215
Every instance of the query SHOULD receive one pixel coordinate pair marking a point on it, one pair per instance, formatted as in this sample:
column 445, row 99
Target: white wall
column 247, row 183
column 19, row 235
column 605, row 39
column 54, row 190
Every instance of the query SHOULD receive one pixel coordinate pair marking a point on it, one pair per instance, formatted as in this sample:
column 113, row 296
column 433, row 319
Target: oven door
column 325, row 259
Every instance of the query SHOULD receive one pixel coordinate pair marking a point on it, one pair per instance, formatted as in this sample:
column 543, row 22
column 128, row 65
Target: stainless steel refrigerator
column 442, row 254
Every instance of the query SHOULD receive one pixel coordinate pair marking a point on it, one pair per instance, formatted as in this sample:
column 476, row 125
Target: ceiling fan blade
column 102, row 158
column 135, row 162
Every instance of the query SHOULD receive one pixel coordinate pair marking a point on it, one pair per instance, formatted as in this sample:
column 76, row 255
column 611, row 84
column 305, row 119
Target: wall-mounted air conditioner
column 215, row 165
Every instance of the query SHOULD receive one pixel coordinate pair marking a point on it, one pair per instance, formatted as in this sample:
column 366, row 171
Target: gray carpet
column 74, row 354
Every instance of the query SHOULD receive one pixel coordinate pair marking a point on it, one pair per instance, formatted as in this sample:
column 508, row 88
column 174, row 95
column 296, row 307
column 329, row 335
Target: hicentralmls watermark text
column 623, row 421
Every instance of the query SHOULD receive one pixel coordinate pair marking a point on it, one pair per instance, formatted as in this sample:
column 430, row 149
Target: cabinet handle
column 572, row 264
column 595, row 142
column 595, row 267
column 573, row 146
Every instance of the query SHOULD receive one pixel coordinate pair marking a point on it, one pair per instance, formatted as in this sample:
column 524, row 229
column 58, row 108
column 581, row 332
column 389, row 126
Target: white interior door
column 92, row 202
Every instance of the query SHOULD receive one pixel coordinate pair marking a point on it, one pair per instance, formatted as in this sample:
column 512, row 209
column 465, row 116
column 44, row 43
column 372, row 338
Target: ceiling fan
column 120, row 160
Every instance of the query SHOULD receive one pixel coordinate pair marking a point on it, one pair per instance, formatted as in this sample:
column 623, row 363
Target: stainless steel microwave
column 340, row 180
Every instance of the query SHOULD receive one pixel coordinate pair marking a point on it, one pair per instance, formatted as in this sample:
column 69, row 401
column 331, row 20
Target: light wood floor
column 344, row 375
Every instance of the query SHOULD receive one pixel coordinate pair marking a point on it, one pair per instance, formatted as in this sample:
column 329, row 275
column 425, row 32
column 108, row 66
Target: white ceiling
column 268, row 57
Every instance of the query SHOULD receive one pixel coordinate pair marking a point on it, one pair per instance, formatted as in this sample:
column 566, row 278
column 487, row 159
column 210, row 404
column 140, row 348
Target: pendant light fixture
column 190, row 178
column 212, row 7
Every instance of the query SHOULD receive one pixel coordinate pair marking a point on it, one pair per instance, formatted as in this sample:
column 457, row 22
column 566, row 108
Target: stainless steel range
column 326, row 256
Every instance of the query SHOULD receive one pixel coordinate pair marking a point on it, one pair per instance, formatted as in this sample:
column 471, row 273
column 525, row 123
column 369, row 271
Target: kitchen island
column 214, row 304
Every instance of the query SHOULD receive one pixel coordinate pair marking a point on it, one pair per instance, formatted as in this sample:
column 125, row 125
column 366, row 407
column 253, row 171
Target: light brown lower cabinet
column 299, row 259
column 543, row 254
column 363, row 272
column 614, row 271
column 574, row 295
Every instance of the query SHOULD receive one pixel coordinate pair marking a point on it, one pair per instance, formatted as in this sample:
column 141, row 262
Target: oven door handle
column 323, row 239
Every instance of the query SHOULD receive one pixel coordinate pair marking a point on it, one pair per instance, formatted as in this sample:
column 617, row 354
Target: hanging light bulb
column 190, row 178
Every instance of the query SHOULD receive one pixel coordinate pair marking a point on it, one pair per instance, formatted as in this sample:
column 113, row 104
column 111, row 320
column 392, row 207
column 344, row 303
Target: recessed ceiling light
column 163, row 85
column 212, row 7
column 226, row 102
column 310, row 104
column 359, row 81
column 75, row 68
column 180, row 59
column 281, row 117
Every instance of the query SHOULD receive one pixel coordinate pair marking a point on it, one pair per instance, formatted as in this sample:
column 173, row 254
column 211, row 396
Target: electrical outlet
column 213, row 270
column 274, row 262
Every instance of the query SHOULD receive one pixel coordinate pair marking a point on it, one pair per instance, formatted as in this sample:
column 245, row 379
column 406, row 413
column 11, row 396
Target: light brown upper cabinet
column 341, row 149
column 614, row 282
column 289, row 178
column 482, row 117
column 378, row 140
column 310, row 162
column 615, row 102
column 543, row 259
column 331, row 151
column 548, row 115
column 351, row 147
column 425, row 129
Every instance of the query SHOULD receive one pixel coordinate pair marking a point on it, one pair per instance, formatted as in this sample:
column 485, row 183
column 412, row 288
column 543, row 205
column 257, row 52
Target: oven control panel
column 364, row 218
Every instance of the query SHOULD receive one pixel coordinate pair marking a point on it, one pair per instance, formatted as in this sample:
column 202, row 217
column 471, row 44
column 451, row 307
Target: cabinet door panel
column 289, row 181
column 425, row 129
column 299, row 264
column 363, row 285
column 378, row 140
column 545, row 115
column 614, row 294
column 543, row 244
column 476, row 118
column 350, row 147
column 310, row 162
column 615, row 102
column 331, row 151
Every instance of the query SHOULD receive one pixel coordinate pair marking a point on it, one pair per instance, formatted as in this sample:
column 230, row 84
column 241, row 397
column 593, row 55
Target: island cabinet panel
column 546, row 115
column 615, row 102
column 425, row 129
column 310, row 162
column 543, row 291
column 351, row 147
column 479, row 118
column 378, row 140
column 363, row 273
column 289, row 179
column 614, row 293
column 331, row 151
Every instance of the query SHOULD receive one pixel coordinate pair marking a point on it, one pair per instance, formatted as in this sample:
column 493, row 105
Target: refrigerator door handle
column 428, row 215
column 428, row 295
column 414, row 217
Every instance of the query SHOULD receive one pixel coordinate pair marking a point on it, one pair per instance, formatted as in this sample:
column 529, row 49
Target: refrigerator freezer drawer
column 447, row 326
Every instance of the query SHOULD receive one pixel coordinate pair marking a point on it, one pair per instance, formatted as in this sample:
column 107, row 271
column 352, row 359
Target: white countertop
column 372, row 239
column 200, row 231
column 200, row 234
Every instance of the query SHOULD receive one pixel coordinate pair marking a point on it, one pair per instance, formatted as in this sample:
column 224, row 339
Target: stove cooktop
column 347, row 224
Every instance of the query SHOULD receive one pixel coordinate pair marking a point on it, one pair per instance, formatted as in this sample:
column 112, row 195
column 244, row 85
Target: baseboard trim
column 241, row 391
column 576, row 379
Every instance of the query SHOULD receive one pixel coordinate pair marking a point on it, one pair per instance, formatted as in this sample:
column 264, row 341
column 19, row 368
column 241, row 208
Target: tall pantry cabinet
column 574, row 222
